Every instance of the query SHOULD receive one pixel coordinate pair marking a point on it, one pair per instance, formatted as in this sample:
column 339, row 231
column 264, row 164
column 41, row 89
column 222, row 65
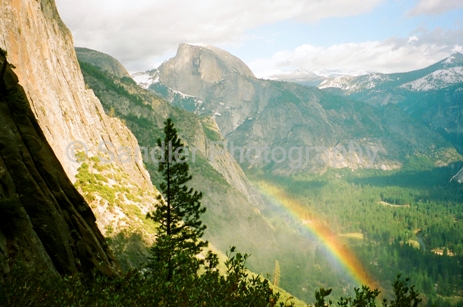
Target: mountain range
column 312, row 77
column 432, row 95
column 254, row 114
column 442, row 74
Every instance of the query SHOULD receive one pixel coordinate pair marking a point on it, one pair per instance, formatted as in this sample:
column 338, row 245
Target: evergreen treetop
column 178, row 213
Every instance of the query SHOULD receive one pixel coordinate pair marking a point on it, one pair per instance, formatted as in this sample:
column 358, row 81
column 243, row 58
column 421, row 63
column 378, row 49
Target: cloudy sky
column 273, row 35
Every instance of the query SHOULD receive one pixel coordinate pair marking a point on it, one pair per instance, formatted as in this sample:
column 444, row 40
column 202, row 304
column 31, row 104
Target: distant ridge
column 102, row 60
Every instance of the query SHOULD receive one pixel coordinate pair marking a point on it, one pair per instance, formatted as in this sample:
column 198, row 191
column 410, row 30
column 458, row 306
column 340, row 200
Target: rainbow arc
column 329, row 239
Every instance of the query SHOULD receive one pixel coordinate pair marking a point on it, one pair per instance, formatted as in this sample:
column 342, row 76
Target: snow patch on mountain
column 353, row 83
column 146, row 78
column 315, row 76
column 183, row 95
column 449, row 60
column 343, row 82
column 455, row 59
column 436, row 80
column 333, row 73
column 299, row 74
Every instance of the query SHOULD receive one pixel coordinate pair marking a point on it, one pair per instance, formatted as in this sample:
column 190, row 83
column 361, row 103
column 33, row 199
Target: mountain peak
column 455, row 58
column 196, row 67
column 206, row 54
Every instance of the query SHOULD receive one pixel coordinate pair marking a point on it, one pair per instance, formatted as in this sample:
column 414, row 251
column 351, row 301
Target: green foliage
column 129, row 247
column 432, row 274
column 139, row 121
column 433, row 212
column 419, row 163
column 320, row 298
column 93, row 183
column 211, row 134
column 235, row 288
column 405, row 296
column 363, row 298
column 108, row 81
column 286, row 93
column 105, row 185
column 206, row 170
column 332, row 102
column 178, row 213
column 128, row 80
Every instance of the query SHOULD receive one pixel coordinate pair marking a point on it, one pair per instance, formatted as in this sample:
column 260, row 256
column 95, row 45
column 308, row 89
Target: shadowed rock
column 45, row 223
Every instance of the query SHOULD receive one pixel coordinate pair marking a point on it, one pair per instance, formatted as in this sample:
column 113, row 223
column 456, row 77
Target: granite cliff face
column 41, row 47
column 210, row 65
column 286, row 127
column 45, row 223
column 73, row 120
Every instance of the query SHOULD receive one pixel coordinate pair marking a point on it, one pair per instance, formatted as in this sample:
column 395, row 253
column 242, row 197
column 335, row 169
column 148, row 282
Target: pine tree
column 177, row 216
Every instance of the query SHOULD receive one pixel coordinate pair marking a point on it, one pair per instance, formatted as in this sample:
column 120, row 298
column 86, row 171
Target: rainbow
column 330, row 240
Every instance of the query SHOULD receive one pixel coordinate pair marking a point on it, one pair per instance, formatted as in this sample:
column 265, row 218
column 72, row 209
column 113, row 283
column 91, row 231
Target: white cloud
column 434, row 7
column 393, row 55
column 139, row 32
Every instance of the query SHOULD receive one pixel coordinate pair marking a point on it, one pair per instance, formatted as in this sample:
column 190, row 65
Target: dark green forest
column 410, row 220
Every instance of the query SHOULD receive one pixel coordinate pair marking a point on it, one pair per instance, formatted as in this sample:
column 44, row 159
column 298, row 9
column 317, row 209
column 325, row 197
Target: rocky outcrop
column 45, row 223
column 72, row 118
column 208, row 64
column 41, row 47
